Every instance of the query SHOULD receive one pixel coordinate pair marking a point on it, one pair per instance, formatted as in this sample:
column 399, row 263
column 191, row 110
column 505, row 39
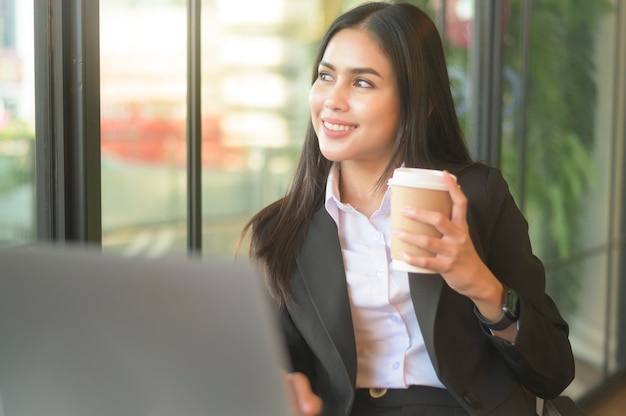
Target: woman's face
column 354, row 101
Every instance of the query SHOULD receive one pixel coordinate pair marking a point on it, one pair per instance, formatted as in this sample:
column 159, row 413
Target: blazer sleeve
column 541, row 358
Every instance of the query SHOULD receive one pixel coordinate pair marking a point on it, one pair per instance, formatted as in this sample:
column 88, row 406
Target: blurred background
column 539, row 88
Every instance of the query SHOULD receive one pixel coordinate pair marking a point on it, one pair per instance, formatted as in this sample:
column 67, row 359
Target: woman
column 480, row 336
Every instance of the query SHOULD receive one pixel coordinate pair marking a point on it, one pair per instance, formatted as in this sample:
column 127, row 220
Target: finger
column 459, row 200
column 435, row 245
column 437, row 263
column 434, row 218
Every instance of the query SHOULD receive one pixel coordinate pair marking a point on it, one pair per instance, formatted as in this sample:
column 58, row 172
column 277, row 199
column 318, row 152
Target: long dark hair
column 429, row 134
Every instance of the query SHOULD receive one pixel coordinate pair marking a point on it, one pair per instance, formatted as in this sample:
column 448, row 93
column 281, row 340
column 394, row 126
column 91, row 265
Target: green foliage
column 559, row 131
column 16, row 152
column 17, row 129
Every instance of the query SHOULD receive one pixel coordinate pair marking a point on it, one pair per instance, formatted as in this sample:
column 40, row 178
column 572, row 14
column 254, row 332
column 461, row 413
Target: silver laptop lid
column 88, row 334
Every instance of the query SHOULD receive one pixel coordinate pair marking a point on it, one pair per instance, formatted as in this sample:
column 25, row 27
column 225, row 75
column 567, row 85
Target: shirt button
column 376, row 392
column 395, row 365
column 394, row 318
column 376, row 236
column 380, row 273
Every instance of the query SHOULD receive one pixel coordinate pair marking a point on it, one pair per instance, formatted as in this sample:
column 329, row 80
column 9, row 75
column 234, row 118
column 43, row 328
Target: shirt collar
column 333, row 197
column 332, row 200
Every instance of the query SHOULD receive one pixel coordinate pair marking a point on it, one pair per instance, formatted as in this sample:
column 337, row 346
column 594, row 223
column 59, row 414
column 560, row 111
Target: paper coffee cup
column 419, row 188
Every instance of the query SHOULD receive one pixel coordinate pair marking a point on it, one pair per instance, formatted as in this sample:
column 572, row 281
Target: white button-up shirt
column 390, row 347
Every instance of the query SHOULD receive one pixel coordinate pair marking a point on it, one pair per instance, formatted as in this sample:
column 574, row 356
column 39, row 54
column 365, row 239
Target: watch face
column 510, row 306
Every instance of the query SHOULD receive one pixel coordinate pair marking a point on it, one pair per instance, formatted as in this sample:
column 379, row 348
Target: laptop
column 83, row 333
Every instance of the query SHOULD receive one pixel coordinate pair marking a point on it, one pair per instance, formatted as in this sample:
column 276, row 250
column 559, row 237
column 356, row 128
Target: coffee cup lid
column 419, row 178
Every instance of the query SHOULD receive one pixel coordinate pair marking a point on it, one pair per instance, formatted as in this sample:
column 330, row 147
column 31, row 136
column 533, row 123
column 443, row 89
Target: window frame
column 67, row 122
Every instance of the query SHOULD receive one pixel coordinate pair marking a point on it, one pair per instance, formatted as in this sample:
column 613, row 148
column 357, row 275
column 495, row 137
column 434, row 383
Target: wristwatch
column 510, row 311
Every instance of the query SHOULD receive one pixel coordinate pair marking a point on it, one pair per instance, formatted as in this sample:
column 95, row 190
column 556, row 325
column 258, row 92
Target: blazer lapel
column 320, row 265
column 426, row 292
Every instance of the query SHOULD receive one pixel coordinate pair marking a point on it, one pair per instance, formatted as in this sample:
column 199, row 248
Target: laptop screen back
column 88, row 334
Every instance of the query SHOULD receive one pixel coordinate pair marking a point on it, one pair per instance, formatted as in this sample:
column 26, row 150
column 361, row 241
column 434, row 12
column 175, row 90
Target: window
column 17, row 123
column 558, row 152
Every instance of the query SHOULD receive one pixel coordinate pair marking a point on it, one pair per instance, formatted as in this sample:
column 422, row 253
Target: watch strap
column 510, row 311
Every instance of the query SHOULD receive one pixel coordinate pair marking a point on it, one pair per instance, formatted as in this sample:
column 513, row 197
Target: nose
column 336, row 99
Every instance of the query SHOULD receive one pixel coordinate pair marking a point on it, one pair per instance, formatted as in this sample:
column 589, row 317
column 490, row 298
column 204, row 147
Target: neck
column 359, row 189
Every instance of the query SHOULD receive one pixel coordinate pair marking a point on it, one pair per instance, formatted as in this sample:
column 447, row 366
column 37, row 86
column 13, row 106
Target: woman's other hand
column 306, row 403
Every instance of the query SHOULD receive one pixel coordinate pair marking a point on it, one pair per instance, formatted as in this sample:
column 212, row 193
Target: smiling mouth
column 338, row 127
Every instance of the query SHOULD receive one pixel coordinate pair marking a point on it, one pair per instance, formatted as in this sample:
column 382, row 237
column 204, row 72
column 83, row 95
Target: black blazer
column 487, row 375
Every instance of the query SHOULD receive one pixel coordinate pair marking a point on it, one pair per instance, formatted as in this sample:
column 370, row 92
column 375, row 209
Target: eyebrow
column 356, row 71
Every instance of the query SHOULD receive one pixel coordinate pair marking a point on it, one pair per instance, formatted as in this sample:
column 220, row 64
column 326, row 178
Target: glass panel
column 256, row 74
column 143, row 98
column 563, row 180
column 592, row 316
column 17, row 122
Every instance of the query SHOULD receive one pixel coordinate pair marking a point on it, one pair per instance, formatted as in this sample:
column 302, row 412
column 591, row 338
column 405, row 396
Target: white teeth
column 337, row 127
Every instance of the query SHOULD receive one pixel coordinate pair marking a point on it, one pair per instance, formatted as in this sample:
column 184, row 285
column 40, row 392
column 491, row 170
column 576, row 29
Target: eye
column 362, row 83
column 325, row 76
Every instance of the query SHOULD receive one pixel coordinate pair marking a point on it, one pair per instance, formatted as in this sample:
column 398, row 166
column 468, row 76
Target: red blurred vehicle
column 134, row 135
